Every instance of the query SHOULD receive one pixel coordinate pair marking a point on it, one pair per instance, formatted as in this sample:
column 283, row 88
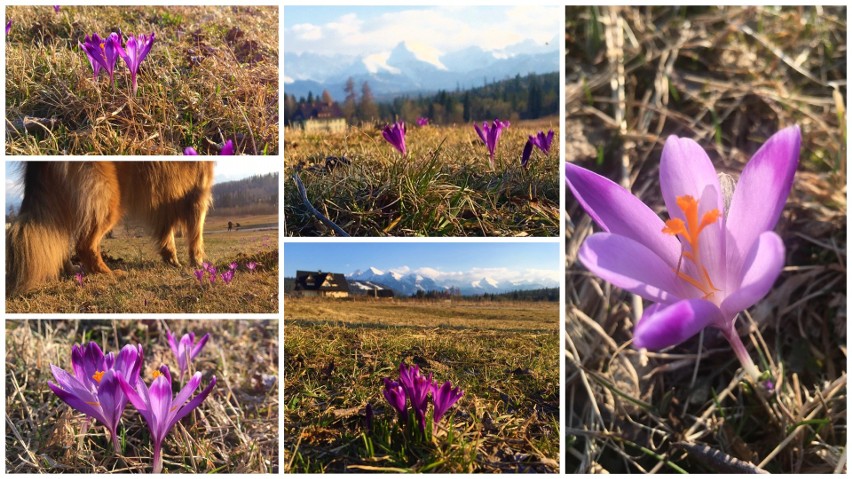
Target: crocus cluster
column 102, row 384
column 414, row 389
column 717, row 254
column 103, row 53
column 540, row 141
column 395, row 135
column 422, row 121
column 490, row 136
column 227, row 149
column 211, row 273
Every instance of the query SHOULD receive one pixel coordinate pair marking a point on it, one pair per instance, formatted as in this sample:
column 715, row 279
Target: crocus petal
column 227, row 148
column 194, row 403
column 685, row 169
column 479, row 131
column 525, row 157
column 78, row 403
column 187, row 390
column 129, row 361
column 631, row 266
column 199, row 345
column 112, row 399
column 759, row 272
column 160, row 397
column 760, row 195
column 617, row 211
column 137, row 395
column 665, row 325
column 190, row 151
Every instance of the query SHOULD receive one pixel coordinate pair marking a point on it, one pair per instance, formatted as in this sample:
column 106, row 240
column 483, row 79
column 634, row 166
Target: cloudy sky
column 428, row 31
column 500, row 261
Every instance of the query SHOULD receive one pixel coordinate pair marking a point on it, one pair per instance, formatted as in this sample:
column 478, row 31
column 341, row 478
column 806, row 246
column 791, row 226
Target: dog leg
column 195, row 234
column 167, row 246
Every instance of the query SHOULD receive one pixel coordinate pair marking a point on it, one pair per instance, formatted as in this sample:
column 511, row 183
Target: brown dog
column 77, row 203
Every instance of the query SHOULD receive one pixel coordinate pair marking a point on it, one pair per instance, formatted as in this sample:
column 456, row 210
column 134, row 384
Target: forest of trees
column 522, row 97
column 251, row 191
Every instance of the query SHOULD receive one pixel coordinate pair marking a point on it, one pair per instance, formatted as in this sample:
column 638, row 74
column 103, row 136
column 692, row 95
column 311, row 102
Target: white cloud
column 429, row 31
column 379, row 61
column 307, row 32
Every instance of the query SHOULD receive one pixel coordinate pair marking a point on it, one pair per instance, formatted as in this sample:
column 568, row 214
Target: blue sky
column 429, row 30
column 500, row 260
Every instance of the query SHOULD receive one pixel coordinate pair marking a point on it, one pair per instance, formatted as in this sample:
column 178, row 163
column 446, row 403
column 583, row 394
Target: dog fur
column 77, row 203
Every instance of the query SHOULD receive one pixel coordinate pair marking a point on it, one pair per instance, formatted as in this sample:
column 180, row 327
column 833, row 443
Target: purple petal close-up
column 665, row 325
column 617, row 211
column 760, row 195
column 761, row 268
column 631, row 266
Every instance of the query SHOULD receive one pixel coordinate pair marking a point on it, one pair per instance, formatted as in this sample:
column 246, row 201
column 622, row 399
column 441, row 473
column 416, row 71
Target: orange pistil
column 690, row 231
column 98, row 375
column 156, row 374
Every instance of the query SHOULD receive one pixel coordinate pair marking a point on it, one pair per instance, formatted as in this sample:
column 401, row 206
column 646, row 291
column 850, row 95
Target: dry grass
column 144, row 284
column 234, row 430
column 507, row 420
column 211, row 75
column 444, row 187
column 728, row 78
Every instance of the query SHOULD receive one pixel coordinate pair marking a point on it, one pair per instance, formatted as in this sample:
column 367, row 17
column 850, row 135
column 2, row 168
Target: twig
column 304, row 195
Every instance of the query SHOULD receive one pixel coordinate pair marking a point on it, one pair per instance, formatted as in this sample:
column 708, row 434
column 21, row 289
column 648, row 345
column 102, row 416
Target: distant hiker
column 230, row 226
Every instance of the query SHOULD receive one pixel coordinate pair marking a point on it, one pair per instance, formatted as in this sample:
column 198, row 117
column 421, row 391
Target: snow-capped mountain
column 404, row 70
column 410, row 283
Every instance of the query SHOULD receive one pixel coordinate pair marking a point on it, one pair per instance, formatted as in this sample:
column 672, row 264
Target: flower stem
column 116, row 446
column 741, row 352
column 158, row 459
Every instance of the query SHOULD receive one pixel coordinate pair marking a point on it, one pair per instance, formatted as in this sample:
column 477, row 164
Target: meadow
column 727, row 78
column 234, row 430
column 338, row 351
column 144, row 284
column 211, row 76
column 443, row 187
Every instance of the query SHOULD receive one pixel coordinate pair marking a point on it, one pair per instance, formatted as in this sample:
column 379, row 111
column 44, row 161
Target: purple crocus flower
column 159, row 409
column 539, row 140
column 190, row 151
column 251, row 265
column 228, row 276
column 102, row 53
column 79, row 279
column 233, row 265
column 56, row 8
column 227, row 148
column 199, row 275
column 712, row 259
column 395, row 395
column 422, row 121
column 417, row 388
column 395, row 135
column 443, row 398
column 8, row 27
column 186, row 349
column 94, row 388
column 135, row 50
column 490, row 136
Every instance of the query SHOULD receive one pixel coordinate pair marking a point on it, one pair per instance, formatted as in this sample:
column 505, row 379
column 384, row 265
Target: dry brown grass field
column 728, row 78
column 338, row 351
column 211, row 75
column 145, row 284
column 234, row 430
column 444, row 187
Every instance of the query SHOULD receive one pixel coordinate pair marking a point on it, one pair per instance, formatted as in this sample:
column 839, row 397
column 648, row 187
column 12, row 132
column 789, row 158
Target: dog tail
column 37, row 242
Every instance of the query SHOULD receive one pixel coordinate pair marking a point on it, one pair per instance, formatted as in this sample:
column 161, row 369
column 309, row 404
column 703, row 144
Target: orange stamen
column 690, row 230
column 156, row 374
column 98, row 375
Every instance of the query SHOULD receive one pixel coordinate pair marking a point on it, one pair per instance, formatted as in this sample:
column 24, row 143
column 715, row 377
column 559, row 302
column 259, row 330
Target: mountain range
column 408, row 284
column 404, row 71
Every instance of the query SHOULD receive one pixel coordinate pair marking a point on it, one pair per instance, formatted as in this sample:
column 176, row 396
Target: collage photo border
column 284, row 240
